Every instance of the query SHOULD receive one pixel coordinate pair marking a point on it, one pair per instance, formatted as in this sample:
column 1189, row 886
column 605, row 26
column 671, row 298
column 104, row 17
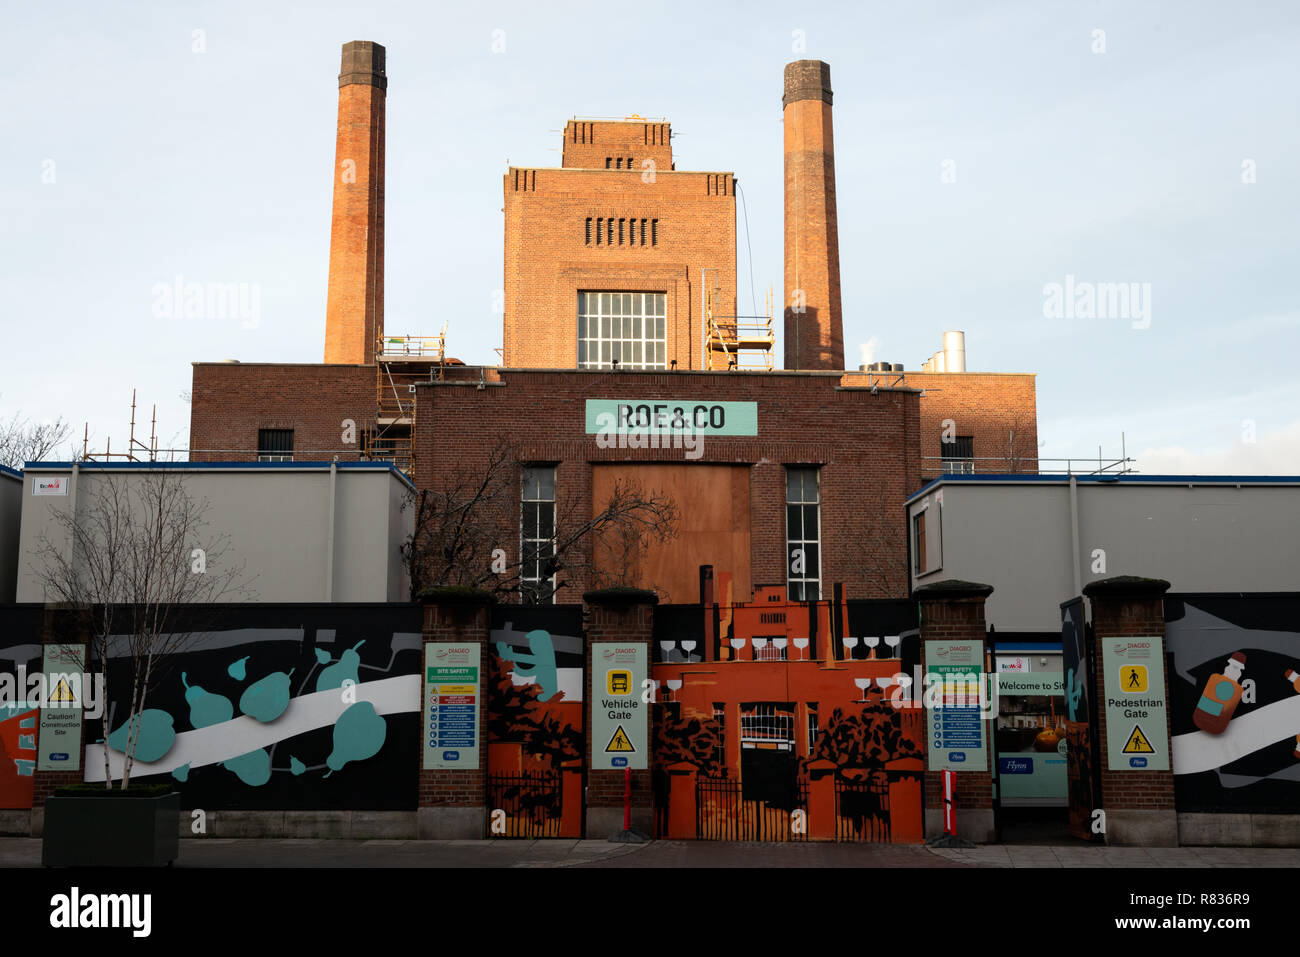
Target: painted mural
column 20, row 657
column 304, row 707
column 1234, row 682
column 1080, row 753
column 779, row 721
column 535, row 721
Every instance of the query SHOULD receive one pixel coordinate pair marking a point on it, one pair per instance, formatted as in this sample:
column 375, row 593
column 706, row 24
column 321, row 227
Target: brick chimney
column 814, row 328
column 354, row 313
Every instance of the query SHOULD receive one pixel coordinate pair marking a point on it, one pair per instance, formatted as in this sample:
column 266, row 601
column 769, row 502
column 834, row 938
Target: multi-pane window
column 812, row 729
column 275, row 445
column 537, row 536
column 958, row 454
column 767, row 723
column 803, row 534
column 627, row 326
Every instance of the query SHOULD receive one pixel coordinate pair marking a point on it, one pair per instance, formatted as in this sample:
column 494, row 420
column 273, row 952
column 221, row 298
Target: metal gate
column 862, row 810
column 723, row 813
column 531, row 801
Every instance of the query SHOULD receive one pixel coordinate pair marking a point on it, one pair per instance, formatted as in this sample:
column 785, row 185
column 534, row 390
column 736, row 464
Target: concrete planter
column 111, row 831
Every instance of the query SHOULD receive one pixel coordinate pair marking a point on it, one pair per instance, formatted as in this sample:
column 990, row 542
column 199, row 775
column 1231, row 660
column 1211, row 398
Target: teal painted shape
column 154, row 739
column 345, row 669
column 182, row 773
column 296, row 766
column 206, row 708
column 253, row 768
column 237, row 669
column 359, row 733
column 266, row 699
column 322, row 656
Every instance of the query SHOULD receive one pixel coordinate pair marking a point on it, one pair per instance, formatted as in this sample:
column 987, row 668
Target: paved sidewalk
column 216, row 852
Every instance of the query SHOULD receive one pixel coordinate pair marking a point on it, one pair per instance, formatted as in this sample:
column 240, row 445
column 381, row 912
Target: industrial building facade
column 619, row 290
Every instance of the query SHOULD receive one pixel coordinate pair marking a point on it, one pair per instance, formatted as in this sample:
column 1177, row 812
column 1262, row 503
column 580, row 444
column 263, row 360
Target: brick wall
column 866, row 444
column 999, row 410
column 602, row 144
column 231, row 401
column 1129, row 616
column 548, row 259
column 625, row 624
column 467, row 624
column 946, row 618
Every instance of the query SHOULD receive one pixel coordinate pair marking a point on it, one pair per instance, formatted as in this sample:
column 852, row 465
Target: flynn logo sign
column 671, row 417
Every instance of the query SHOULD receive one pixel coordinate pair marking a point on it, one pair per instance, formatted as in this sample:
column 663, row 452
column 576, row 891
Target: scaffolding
column 136, row 450
column 400, row 363
column 737, row 343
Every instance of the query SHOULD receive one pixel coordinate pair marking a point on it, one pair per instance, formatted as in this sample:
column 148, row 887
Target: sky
column 985, row 153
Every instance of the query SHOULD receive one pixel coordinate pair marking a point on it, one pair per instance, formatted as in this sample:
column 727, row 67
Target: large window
column 803, row 534
column 537, row 536
column 275, row 445
column 627, row 326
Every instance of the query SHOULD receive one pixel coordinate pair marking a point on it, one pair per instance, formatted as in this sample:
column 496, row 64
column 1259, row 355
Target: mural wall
column 279, row 707
column 1080, row 755
column 536, row 743
column 774, row 720
column 20, row 656
column 1234, row 679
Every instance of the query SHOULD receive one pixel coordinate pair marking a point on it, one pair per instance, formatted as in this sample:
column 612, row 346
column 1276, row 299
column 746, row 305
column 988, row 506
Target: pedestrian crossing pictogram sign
column 1137, row 743
column 620, row 743
column 1133, row 679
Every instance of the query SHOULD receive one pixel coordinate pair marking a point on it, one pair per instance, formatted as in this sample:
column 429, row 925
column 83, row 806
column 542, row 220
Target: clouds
column 1274, row 452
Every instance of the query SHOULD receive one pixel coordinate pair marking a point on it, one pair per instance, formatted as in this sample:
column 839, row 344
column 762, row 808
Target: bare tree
column 133, row 553
column 1019, row 450
column 23, row 441
column 465, row 527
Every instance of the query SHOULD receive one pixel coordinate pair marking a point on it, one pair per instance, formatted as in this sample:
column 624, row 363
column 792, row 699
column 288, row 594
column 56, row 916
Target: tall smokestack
column 354, row 313
column 814, row 327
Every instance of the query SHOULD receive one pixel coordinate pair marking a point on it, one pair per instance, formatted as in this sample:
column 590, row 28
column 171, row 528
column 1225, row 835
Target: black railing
column 723, row 814
column 532, row 802
column 862, row 810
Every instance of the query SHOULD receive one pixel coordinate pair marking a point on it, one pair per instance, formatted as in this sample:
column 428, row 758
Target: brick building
column 616, row 218
column 620, row 301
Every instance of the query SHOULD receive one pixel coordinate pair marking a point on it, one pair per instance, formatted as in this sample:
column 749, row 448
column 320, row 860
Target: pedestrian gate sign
column 1137, row 736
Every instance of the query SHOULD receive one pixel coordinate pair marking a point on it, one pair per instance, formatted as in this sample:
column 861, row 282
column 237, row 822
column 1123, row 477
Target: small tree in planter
column 135, row 553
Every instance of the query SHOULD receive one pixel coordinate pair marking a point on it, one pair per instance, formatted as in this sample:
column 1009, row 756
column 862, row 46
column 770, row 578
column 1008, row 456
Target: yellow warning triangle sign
column 1138, row 743
column 619, row 743
column 63, row 692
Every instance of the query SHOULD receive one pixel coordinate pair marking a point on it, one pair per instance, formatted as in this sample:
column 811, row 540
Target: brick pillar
column 814, row 328
column 354, row 310
column 62, row 627
column 953, row 611
column 1139, row 804
column 625, row 616
column 452, row 803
